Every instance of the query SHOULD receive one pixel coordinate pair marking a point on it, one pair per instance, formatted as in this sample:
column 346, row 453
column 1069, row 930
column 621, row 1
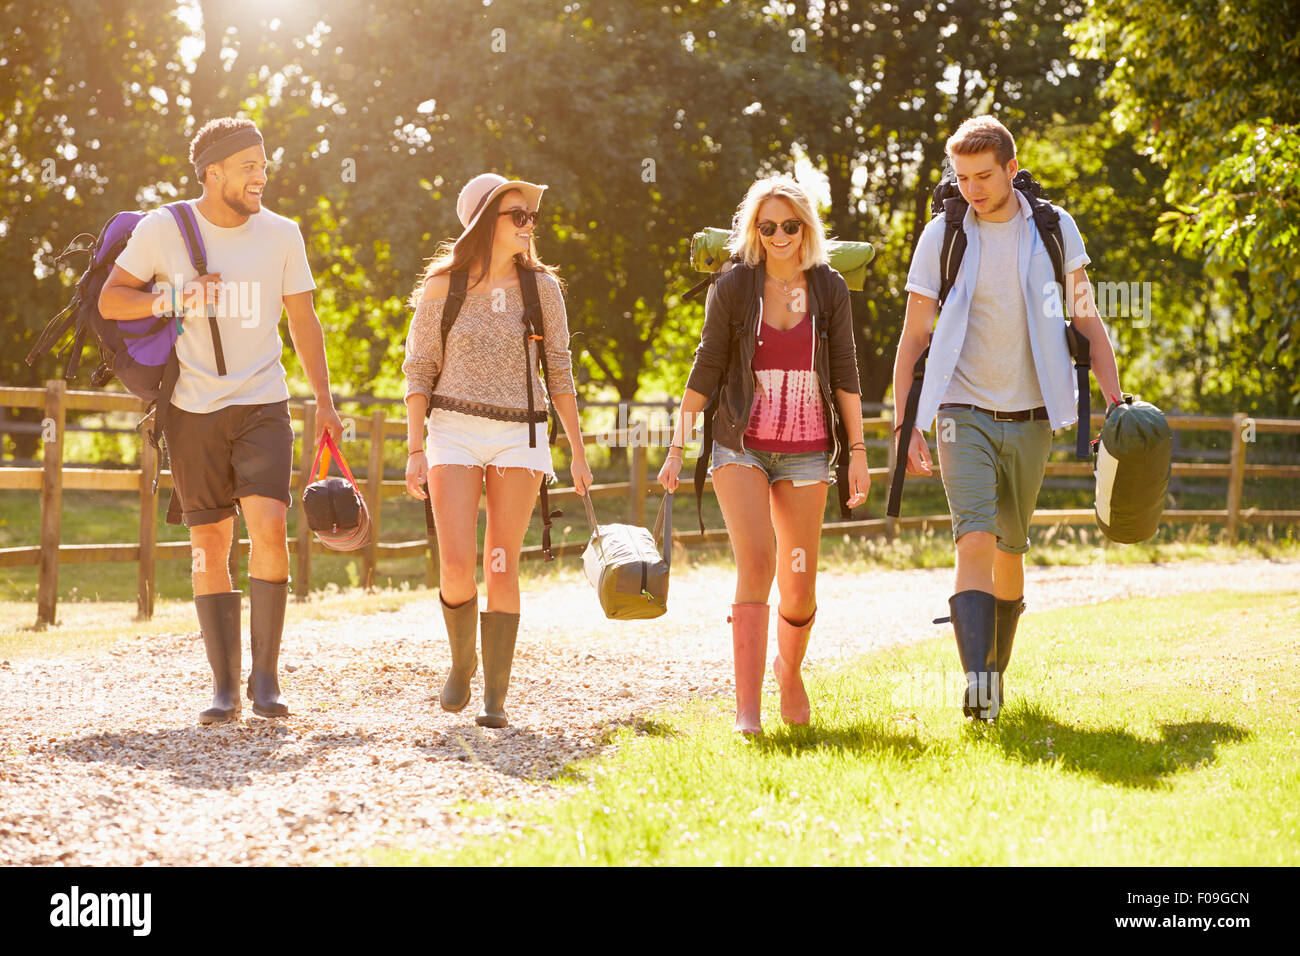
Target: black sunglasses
column 520, row 217
column 791, row 227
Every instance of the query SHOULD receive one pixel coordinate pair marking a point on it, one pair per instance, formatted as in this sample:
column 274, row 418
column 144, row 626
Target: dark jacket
column 725, row 354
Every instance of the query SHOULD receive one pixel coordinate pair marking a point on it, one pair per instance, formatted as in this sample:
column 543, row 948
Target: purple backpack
column 139, row 352
column 136, row 351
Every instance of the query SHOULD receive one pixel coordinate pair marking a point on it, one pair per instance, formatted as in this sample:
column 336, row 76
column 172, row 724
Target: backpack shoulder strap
column 451, row 308
column 954, row 244
column 183, row 213
column 950, row 256
column 1048, row 222
column 533, row 328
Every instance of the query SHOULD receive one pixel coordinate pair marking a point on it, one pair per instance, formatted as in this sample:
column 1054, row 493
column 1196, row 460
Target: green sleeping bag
column 1131, row 463
column 849, row 259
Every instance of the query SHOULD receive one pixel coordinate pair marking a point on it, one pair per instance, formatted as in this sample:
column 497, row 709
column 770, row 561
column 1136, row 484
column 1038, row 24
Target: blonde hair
column 745, row 240
column 979, row 134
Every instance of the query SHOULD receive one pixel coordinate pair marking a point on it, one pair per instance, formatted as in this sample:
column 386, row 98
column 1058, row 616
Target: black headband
column 228, row 145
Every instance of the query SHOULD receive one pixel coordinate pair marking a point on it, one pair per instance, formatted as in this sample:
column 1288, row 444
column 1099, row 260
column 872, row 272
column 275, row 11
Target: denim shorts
column 798, row 467
column 459, row 439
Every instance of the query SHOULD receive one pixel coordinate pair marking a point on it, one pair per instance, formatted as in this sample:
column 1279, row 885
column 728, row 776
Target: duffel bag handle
column 664, row 526
column 321, row 466
column 591, row 512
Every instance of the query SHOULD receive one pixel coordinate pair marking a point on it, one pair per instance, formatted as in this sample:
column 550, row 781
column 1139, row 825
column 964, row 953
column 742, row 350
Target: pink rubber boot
column 749, row 643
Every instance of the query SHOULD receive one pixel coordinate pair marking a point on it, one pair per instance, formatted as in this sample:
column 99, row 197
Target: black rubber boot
column 462, row 634
column 219, row 624
column 974, row 620
column 266, row 600
column 1008, row 617
column 499, row 630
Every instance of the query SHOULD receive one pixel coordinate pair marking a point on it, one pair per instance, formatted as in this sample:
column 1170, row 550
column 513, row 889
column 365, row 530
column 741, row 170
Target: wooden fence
column 52, row 479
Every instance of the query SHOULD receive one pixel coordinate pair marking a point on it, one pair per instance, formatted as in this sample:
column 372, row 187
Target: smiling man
column 999, row 379
column 228, row 437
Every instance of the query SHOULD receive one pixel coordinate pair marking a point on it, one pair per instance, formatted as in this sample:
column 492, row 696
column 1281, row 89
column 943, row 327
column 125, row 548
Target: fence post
column 47, row 594
column 1237, row 467
column 301, row 580
column 148, row 529
column 375, row 490
column 636, row 479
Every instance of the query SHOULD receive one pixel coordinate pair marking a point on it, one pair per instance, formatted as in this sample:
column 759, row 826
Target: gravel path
column 102, row 763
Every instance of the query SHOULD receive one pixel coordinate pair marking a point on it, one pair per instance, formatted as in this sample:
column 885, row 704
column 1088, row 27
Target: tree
column 1212, row 92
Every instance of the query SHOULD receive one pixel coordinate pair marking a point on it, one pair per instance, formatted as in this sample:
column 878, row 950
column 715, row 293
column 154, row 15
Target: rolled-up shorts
column 992, row 472
column 217, row 458
column 455, row 438
column 798, row 467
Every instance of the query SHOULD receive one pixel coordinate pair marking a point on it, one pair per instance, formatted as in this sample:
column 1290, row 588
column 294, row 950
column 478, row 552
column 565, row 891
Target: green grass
column 1147, row 732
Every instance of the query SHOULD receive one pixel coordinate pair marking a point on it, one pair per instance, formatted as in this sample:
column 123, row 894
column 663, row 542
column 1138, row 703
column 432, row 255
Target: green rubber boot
column 499, row 631
column 219, row 623
column 462, row 634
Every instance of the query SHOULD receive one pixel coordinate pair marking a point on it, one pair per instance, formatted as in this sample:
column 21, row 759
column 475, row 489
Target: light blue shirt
column 1042, row 305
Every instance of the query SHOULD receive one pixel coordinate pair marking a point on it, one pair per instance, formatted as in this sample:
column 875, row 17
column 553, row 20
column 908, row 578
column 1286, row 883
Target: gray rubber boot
column 266, row 600
column 219, row 623
column 499, row 631
column 462, row 634
column 1008, row 617
column 974, row 620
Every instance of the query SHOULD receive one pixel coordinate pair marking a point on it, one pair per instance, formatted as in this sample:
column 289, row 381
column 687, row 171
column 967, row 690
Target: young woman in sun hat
column 785, row 383
column 478, row 422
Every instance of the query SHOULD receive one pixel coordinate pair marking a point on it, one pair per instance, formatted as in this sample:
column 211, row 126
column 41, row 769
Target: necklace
column 786, row 290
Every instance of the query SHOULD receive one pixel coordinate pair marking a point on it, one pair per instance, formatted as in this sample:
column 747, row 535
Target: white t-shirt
column 995, row 369
column 260, row 263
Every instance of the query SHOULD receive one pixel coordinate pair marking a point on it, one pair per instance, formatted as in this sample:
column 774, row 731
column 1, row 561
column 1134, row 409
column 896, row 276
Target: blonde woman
column 481, row 414
column 782, row 361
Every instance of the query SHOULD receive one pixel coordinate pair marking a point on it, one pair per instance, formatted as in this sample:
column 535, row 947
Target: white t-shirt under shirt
column 260, row 263
column 996, row 367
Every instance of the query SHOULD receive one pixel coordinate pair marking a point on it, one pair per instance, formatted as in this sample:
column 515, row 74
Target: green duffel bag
column 1131, row 462
column 627, row 568
column 849, row 259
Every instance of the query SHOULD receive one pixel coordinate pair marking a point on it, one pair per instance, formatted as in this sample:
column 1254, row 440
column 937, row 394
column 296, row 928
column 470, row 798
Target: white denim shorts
column 455, row 438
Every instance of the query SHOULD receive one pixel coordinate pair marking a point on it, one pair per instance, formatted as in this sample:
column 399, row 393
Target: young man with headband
column 1000, row 380
column 226, row 425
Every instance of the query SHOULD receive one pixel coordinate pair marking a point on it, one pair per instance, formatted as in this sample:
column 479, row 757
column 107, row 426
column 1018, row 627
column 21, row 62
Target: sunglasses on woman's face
column 520, row 217
column 791, row 227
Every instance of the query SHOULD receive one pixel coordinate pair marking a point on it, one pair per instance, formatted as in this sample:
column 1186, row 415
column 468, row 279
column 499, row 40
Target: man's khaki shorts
column 991, row 472
column 220, row 457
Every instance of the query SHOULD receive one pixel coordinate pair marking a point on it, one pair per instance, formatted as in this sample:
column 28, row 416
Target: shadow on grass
column 861, row 737
column 1030, row 734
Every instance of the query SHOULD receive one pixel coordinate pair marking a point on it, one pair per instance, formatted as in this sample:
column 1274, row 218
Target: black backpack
column 820, row 285
column 947, row 201
column 532, row 332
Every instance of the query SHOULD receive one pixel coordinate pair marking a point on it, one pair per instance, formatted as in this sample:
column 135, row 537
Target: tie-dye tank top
column 787, row 414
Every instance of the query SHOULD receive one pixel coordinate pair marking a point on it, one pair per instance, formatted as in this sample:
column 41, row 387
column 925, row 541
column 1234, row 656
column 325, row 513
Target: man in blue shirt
column 999, row 381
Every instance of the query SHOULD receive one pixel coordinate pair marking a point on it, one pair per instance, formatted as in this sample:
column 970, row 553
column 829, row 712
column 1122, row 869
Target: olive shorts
column 991, row 473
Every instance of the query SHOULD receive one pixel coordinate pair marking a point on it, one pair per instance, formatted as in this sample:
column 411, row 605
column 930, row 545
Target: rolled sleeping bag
column 849, row 259
column 1131, row 462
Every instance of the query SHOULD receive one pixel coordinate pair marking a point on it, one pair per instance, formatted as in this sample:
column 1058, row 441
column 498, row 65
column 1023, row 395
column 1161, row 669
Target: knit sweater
column 483, row 373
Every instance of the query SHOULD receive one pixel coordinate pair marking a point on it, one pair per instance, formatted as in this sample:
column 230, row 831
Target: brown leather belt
column 1028, row 415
